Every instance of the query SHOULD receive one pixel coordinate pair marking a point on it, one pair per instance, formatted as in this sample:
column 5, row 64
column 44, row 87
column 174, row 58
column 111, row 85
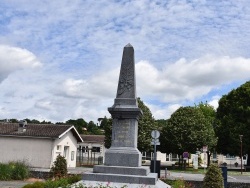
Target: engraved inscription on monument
column 123, row 134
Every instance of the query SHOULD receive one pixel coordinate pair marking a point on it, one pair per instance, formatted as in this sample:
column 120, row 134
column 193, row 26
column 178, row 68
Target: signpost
column 155, row 141
column 204, row 149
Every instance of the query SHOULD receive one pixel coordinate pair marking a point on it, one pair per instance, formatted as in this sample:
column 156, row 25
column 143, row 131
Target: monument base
column 123, row 175
column 123, row 156
column 159, row 184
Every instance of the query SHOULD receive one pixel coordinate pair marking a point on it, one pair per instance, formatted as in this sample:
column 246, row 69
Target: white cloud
column 81, row 50
column 13, row 58
column 187, row 80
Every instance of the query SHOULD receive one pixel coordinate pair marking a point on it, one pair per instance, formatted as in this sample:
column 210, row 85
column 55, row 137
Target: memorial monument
column 122, row 162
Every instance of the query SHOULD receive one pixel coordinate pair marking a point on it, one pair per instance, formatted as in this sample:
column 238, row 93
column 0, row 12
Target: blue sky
column 60, row 60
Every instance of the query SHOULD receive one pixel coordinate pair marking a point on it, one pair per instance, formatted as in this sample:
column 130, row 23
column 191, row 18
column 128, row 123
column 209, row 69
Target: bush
column 178, row 183
column 35, row 185
column 20, row 170
column 59, row 168
column 213, row 177
column 14, row 171
column 5, row 172
column 63, row 183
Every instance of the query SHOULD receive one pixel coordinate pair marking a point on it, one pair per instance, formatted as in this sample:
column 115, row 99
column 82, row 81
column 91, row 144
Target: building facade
column 38, row 144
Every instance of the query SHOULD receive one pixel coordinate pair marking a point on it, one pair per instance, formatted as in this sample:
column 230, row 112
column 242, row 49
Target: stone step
column 141, row 171
column 150, row 179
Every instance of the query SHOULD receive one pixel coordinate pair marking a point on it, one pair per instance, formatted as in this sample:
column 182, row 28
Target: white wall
column 68, row 140
column 36, row 152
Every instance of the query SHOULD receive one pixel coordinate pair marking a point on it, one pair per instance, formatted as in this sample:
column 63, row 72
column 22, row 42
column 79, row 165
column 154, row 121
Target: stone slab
column 159, row 184
column 150, row 179
column 141, row 171
column 120, row 156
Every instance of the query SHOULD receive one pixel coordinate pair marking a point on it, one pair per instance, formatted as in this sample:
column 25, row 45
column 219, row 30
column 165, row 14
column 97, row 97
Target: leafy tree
column 186, row 130
column 93, row 129
column 145, row 126
column 107, row 126
column 233, row 115
column 213, row 177
column 79, row 124
column 210, row 114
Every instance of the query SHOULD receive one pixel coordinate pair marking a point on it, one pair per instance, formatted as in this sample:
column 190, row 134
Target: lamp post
column 241, row 152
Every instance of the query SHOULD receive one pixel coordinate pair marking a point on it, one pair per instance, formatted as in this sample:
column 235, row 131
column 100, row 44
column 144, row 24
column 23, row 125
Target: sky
column 60, row 59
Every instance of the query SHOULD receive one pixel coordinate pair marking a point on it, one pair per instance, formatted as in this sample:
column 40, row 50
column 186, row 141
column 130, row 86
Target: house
column 91, row 150
column 38, row 144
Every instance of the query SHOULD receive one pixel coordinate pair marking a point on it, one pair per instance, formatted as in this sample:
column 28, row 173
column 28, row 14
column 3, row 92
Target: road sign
column 155, row 134
column 155, row 142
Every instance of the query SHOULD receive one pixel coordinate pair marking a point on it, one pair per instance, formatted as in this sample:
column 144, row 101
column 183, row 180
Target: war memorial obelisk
column 122, row 162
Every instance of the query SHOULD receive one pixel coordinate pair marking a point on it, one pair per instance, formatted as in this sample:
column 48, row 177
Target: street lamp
column 241, row 152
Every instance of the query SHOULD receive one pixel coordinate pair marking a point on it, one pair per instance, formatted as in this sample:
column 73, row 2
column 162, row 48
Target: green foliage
column 93, row 129
column 213, row 178
column 233, row 115
column 145, row 126
column 5, row 172
column 63, row 183
column 35, row 185
column 59, row 168
column 20, row 170
column 178, row 183
column 79, row 124
column 14, row 171
column 107, row 126
column 186, row 130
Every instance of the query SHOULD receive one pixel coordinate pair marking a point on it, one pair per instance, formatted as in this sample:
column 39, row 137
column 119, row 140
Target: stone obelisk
column 123, row 160
column 125, row 114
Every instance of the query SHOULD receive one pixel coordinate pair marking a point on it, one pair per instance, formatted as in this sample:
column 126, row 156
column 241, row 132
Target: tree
column 79, row 124
column 210, row 114
column 186, row 130
column 145, row 126
column 93, row 129
column 233, row 115
column 213, row 177
column 107, row 126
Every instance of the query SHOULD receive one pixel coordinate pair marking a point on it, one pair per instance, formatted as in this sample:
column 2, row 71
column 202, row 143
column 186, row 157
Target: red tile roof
column 36, row 130
column 93, row 138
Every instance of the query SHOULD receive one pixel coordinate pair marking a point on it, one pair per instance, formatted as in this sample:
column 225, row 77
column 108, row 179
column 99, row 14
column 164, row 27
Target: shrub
column 35, row 185
column 63, row 183
column 5, row 172
column 20, row 170
column 14, row 171
column 59, row 168
column 213, row 177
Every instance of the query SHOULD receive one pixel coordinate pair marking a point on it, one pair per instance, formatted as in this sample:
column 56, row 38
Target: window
column 96, row 149
column 72, row 155
column 58, row 147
